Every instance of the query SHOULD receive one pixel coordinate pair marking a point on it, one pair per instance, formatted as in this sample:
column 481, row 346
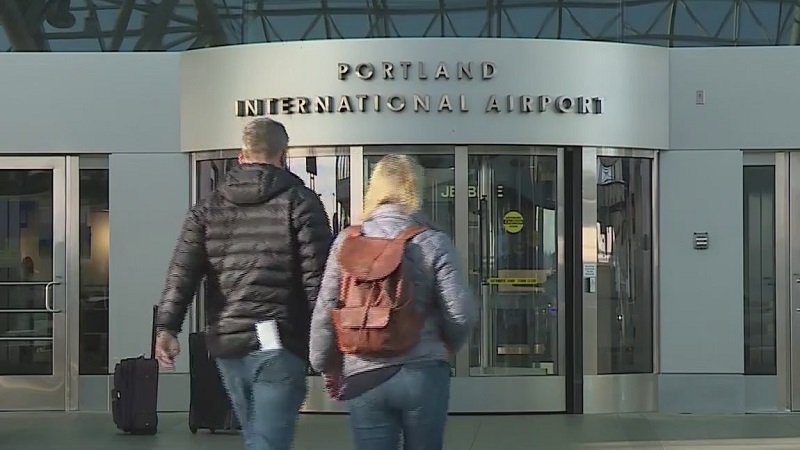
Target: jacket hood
column 394, row 213
column 251, row 184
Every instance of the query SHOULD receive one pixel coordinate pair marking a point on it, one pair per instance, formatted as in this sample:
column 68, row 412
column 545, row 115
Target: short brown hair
column 264, row 137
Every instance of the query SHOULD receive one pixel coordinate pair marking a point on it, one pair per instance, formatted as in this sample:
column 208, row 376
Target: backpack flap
column 361, row 317
column 360, row 329
column 370, row 259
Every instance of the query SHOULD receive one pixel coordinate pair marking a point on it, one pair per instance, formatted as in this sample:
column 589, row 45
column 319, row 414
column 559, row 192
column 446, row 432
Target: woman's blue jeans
column 413, row 403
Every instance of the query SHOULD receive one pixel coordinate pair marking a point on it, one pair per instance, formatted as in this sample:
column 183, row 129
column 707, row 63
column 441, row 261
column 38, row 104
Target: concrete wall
column 149, row 195
column 750, row 104
column 750, row 98
column 702, row 335
column 75, row 103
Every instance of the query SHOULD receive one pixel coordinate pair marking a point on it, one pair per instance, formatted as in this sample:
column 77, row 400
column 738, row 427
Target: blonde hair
column 395, row 181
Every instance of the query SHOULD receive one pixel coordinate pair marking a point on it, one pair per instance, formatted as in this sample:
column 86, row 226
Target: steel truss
column 171, row 25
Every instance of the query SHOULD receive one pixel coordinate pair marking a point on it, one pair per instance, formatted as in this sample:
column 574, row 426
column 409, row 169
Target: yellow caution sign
column 513, row 222
column 529, row 281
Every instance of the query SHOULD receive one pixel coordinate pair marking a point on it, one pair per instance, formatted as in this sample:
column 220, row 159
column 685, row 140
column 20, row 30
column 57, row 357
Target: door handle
column 48, row 296
column 483, row 239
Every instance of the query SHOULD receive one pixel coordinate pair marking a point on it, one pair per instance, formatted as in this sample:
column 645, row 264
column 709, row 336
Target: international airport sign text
column 420, row 103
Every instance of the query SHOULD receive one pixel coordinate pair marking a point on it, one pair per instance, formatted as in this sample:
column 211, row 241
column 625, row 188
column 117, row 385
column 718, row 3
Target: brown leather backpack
column 376, row 314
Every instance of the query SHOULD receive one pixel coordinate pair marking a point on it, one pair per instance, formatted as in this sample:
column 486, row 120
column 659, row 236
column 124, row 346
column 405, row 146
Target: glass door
column 501, row 205
column 438, row 178
column 32, row 290
column 514, row 264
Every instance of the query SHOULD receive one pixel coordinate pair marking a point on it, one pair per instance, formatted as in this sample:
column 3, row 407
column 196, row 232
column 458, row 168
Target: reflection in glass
column 26, row 265
column 438, row 195
column 624, row 265
column 26, row 357
column 328, row 176
column 513, row 264
column 94, row 248
column 210, row 173
column 759, row 270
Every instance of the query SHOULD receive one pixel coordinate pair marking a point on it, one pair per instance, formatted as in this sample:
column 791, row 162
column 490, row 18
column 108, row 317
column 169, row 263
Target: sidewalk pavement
column 95, row 431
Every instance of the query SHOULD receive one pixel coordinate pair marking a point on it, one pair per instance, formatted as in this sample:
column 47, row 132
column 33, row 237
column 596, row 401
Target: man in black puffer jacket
column 261, row 240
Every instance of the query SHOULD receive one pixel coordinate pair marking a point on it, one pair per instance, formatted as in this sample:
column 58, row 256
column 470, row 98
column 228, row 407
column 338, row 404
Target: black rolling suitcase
column 134, row 398
column 209, row 406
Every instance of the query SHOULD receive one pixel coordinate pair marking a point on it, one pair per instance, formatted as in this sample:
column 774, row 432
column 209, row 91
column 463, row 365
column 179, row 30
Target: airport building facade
column 623, row 211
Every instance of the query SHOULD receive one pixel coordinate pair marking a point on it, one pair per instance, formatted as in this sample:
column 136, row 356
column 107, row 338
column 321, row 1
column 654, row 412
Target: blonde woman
column 407, row 394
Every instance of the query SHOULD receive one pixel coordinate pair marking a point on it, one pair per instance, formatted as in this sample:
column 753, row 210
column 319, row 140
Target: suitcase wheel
column 193, row 429
column 212, row 430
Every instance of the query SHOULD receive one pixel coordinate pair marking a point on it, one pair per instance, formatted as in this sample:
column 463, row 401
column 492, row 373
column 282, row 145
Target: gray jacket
column 438, row 281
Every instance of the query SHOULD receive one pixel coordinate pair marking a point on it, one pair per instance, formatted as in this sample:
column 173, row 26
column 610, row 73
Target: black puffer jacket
column 261, row 240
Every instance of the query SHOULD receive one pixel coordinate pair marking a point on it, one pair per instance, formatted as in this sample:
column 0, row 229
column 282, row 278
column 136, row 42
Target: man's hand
column 167, row 349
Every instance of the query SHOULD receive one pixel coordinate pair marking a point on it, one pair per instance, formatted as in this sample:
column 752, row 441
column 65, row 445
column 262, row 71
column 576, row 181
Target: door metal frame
column 589, row 216
column 41, row 392
column 524, row 150
column 784, row 264
column 501, row 393
column 73, row 272
column 74, row 165
column 474, row 394
column 788, row 299
column 413, row 150
column 624, row 392
column 461, row 181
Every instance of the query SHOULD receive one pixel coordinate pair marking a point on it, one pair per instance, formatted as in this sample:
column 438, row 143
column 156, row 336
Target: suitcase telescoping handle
column 153, row 333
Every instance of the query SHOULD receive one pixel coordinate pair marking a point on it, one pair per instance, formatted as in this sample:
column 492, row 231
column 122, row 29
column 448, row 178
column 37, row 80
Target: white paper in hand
column 268, row 335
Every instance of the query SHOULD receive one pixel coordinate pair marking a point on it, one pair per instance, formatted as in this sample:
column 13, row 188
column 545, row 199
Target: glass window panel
column 26, row 265
column 456, row 23
column 328, row 176
column 759, row 270
column 438, row 179
column 696, row 23
column 94, row 253
column 438, row 173
column 756, row 23
column 645, row 23
column 513, row 264
column 624, row 265
column 407, row 25
column 350, row 26
column 601, row 21
column 787, row 30
column 703, row 21
column 26, row 357
column 525, row 21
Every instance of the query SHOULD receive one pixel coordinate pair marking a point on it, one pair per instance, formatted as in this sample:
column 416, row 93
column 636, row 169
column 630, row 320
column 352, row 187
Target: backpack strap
column 353, row 231
column 410, row 232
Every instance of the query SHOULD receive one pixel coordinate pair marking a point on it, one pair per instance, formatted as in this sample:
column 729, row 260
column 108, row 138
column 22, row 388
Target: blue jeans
column 266, row 390
column 414, row 402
